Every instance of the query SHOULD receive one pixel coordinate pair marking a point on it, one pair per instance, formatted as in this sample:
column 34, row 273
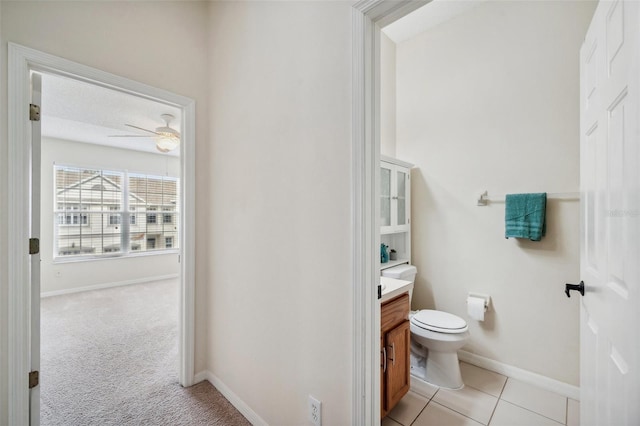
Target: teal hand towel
column 525, row 216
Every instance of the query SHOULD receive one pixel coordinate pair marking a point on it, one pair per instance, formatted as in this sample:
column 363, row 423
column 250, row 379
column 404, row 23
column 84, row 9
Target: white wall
column 280, row 323
column 272, row 82
column 58, row 276
column 387, row 96
column 489, row 100
column 135, row 40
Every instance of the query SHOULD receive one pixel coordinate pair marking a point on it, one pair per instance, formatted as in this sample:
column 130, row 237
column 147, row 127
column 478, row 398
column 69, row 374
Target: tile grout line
column 423, row 408
column 464, row 415
column 531, row 411
column 503, row 386
column 418, row 415
column 498, row 401
column 457, row 412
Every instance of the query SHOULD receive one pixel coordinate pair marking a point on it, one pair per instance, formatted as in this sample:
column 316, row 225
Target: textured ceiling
column 83, row 112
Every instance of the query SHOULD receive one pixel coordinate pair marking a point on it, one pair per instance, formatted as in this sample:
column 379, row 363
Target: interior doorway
column 24, row 179
column 368, row 19
column 109, row 248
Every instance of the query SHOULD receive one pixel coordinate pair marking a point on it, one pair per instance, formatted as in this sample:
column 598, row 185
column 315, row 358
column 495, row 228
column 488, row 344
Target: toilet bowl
column 436, row 337
column 441, row 335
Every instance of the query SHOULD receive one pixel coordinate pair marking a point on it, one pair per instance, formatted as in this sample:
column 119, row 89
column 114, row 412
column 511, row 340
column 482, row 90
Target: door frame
column 21, row 61
column 368, row 17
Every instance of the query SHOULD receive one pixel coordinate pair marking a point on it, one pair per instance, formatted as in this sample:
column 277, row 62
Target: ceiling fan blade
column 140, row 128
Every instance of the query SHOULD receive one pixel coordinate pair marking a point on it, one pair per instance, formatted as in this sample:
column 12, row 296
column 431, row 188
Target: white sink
column 392, row 287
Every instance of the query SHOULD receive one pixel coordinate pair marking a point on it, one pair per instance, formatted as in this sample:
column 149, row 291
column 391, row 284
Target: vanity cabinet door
column 383, row 370
column 398, row 363
column 395, row 338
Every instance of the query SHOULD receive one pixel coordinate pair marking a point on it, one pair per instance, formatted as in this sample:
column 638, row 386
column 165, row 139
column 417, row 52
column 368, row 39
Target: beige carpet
column 110, row 357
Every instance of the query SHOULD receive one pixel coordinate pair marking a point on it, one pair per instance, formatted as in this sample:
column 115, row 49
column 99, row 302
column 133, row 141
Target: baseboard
column 108, row 285
column 234, row 399
column 529, row 377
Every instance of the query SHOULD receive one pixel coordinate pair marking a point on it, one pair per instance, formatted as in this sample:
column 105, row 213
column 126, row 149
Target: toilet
column 436, row 337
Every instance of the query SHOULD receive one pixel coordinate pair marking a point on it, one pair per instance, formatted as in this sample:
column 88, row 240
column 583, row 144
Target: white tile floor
column 488, row 398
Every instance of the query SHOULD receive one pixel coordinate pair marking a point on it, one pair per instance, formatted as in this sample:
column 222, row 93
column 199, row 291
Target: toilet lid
column 441, row 322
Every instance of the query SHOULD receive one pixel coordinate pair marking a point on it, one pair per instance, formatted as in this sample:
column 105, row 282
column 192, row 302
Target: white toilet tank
column 401, row 272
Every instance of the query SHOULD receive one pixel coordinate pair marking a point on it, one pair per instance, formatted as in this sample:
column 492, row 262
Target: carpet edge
column 234, row 399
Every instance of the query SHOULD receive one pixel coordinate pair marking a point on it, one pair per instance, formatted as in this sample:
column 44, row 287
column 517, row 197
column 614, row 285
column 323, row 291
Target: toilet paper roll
column 475, row 308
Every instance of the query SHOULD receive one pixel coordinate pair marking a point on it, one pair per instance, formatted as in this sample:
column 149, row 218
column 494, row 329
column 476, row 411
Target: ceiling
column 88, row 113
column 427, row 17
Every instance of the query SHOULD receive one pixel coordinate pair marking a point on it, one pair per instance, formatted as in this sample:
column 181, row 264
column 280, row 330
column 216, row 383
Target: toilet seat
column 440, row 322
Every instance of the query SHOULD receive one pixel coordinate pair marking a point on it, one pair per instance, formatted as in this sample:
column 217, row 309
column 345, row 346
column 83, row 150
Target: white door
column 610, row 217
column 34, row 393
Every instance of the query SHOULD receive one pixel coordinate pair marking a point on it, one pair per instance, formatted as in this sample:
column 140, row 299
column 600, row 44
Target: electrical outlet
column 315, row 411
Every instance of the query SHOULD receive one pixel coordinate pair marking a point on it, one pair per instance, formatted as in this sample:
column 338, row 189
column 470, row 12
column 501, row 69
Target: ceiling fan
column 167, row 139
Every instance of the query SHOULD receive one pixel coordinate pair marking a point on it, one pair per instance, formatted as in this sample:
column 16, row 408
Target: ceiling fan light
column 167, row 142
column 168, row 132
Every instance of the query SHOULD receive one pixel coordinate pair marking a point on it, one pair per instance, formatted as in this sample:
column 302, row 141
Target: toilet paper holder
column 486, row 298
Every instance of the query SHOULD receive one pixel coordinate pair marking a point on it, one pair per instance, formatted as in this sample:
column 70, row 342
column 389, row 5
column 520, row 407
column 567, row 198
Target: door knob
column 577, row 287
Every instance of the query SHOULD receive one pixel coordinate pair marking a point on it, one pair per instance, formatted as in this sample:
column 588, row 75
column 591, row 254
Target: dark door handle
column 577, row 287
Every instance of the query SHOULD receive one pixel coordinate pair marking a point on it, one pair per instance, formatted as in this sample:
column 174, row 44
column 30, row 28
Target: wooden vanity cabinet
column 394, row 352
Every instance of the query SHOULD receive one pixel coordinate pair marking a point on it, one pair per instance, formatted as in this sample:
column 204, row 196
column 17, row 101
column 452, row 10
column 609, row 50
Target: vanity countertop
column 392, row 287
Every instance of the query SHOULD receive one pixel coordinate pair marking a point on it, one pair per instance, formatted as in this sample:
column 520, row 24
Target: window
column 152, row 217
column 70, row 216
column 91, row 204
column 151, row 243
column 114, row 219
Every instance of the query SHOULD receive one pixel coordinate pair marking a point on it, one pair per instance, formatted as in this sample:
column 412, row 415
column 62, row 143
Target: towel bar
column 484, row 198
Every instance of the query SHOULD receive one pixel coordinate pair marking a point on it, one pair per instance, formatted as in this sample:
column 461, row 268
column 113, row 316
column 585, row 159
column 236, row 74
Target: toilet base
column 443, row 369
column 438, row 368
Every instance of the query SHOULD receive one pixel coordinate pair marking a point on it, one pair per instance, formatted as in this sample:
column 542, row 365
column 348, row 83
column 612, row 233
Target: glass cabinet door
column 401, row 205
column 395, row 198
column 385, row 196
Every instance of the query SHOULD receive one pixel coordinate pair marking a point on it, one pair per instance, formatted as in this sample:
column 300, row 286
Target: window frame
column 126, row 218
